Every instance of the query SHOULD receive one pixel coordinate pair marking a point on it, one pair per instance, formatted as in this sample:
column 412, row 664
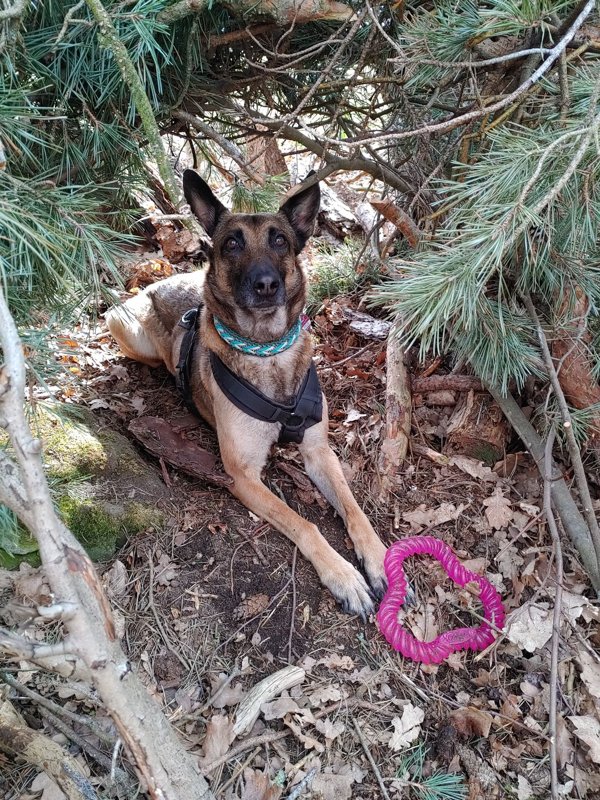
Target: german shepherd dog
column 255, row 290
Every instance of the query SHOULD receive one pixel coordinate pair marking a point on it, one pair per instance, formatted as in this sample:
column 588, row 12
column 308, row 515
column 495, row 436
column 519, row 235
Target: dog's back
column 144, row 325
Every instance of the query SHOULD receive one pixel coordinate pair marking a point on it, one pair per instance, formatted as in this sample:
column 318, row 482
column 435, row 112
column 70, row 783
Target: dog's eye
column 231, row 245
column 280, row 240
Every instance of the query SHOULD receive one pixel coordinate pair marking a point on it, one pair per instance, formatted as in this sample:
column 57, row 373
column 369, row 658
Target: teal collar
column 253, row 348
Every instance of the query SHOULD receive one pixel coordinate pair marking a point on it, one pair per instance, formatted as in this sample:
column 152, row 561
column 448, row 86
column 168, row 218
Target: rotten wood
column 161, row 439
column 478, row 429
column 398, row 405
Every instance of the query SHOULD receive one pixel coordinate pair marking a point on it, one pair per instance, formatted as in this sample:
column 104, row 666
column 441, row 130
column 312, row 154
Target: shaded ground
column 216, row 596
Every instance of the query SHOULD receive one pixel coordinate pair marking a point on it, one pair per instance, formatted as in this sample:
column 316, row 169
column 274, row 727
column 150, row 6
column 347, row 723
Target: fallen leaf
column 166, row 570
column 332, row 787
column 229, row 696
column 590, row 671
column 279, row 708
column 352, row 416
column 474, row 468
column 423, row 517
column 407, row 727
column 587, row 728
column 219, row 735
column 529, row 627
column 330, row 730
column 326, row 694
column 564, row 744
column 498, row 509
column 335, row 661
column 258, row 786
column 50, row 790
column 472, row 721
column 524, row 790
column 115, row 580
column 251, row 606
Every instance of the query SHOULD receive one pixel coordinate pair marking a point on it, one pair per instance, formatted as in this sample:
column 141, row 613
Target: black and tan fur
column 255, row 285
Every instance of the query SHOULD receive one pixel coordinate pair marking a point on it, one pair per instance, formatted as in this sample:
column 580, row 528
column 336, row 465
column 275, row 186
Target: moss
column 102, row 528
column 11, row 561
column 71, row 451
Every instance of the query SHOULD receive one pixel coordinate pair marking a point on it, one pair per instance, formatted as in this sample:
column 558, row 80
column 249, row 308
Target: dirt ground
column 215, row 600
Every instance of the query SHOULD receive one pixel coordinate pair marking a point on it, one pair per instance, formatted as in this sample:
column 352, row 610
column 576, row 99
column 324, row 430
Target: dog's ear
column 202, row 201
column 301, row 209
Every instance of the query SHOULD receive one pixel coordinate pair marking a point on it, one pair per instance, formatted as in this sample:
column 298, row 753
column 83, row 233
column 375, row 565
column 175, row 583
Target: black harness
column 295, row 418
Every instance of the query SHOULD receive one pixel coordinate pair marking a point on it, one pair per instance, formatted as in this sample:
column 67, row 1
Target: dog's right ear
column 202, row 201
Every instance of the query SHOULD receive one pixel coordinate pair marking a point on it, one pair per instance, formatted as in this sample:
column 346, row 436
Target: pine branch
column 464, row 119
column 130, row 75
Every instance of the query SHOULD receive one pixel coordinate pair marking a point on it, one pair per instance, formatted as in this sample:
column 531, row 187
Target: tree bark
column 282, row 11
column 398, row 404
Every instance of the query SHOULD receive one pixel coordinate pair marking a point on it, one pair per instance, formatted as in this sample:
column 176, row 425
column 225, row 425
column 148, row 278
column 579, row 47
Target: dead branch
column 454, row 383
column 573, row 447
column 165, row 769
column 398, row 405
column 562, row 499
column 18, row 740
column 553, row 528
column 283, row 11
column 400, row 219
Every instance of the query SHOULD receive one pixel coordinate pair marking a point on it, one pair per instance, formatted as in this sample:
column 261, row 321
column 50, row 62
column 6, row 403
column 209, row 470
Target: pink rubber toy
column 458, row 639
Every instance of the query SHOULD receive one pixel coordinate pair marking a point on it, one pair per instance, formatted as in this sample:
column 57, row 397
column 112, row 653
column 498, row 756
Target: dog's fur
column 250, row 251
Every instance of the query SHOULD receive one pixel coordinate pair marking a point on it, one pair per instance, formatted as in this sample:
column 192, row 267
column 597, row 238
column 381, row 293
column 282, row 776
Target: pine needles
column 438, row 785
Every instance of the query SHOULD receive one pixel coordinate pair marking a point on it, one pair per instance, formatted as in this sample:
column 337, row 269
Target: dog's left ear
column 202, row 201
column 301, row 209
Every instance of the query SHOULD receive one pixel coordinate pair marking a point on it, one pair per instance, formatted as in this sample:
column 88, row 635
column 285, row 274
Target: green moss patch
column 101, row 527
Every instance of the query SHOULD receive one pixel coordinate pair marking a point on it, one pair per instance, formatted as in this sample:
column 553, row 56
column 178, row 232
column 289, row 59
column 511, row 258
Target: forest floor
column 213, row 600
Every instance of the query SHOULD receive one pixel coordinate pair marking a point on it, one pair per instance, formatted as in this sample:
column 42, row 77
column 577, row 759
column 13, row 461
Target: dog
column 232, row 337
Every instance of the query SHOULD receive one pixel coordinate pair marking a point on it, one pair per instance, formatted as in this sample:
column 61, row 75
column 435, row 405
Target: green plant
column 437, row 786
column 339, row 269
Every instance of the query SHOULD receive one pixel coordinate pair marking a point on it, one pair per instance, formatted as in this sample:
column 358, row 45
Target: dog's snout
column 265, row 281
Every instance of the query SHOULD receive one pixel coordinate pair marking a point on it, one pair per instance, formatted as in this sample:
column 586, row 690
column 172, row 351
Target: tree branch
column 111, row 40
column 570, row 516
column 166, row 770
column 573, row 447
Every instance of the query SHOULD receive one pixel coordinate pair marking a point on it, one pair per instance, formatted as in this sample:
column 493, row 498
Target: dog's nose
column 265, row 282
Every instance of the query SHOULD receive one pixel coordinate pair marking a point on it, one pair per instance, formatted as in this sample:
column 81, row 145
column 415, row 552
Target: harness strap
column 295, row 418
column 303, row 413
column 183, row 370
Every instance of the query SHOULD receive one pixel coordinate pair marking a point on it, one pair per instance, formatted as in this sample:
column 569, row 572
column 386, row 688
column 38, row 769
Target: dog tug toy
column 439, row 649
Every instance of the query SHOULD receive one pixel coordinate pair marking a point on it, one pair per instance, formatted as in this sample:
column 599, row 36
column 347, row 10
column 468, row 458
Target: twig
column 68, row 17
column 552, row 527
column 374, row 767
column 182, row 660
column 573, row 447
column 463, row 119
column 293, row 614
column 565, row 505
column 40, row 700
column 302, row 785
column 88, row 748
column 140, row 722
column 113, row 43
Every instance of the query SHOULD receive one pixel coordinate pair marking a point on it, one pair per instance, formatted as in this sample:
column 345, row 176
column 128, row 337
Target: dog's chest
column 278, row 377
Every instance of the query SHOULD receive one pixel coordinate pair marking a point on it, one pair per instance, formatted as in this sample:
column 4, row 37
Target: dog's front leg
column 244, row 451
column 324, row 469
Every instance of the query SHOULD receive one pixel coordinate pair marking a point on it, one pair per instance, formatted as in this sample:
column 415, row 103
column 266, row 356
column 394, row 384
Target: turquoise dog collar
column 257, row 348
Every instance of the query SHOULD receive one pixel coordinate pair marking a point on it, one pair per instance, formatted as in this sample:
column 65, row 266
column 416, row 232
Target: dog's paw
column 350, row 589
column 372, row 564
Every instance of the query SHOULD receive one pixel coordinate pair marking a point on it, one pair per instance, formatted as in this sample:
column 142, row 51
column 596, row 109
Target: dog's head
column 253, row 263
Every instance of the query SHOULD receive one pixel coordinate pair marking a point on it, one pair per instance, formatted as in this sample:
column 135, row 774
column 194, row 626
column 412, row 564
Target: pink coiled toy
column 460, row 638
